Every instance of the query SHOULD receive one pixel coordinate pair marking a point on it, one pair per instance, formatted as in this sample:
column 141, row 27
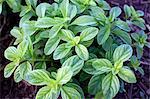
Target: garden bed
column 11, row 90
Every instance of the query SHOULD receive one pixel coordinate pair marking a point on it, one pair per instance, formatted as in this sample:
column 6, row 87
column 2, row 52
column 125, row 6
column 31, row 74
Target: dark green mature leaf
column 47, row 93
column 24, row 68
column 127, row 75
column 88, row 33
column 125, row 37
column 102, row 65
column 51, row 45
column 95, row 84
column 114, row 13
column 122, row 53
column 61, row 51
column 103, row 34
column 82, row 51
column 110, row 86
column 75, row 63
column 122, row 25
column 64, row 75
column 69, row 92
column 38, row 77
column 9, row 69
column 84, row 20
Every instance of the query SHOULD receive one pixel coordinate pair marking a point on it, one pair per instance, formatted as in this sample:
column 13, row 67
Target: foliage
column 61, row 45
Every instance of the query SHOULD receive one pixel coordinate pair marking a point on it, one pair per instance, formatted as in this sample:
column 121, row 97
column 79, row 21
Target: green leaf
column 25, row 10
column 124, row 36
column 15, row 5
column 51, row 45
column 17, row 34
column 38, row 77
column 114, row 13
column 84, row 20
column 67, row 35
column 22, row 48
column 41, row 9
column 17, row 76
column 127, row 75
column 127, row 11
column 122, row 53
column 47, row 93
column 61, row 51
column 25, row 67
column 31, row 2
column 88, row 33
column 123, row 25
column 64, row 75
column 64, row 7
column 88, row 68
column 110, row 86
column 95, row 84
column 102, row 65
column 135, row 36
column 54, row 31
column 29, row 28
column 139, row 24
column 45, row 22
column 9, row 69
column 82, row 51
column 103, row 4
column 77, row 87
column 40, row 65
column 103, row 34
column 75, row 63
column 11, row 53
column 98, row 13
column 69, row 93
column 72, row 11
column 1, row 7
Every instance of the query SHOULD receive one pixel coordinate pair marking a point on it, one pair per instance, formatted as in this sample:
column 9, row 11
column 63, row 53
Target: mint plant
column 68, row 43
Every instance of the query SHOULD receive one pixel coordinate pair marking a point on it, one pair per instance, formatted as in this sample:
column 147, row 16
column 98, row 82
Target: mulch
column 11, row 90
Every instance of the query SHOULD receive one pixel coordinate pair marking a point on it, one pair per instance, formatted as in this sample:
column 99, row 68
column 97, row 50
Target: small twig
column 145, row 63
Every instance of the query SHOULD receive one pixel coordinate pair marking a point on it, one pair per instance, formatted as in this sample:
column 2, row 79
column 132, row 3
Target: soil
column 11, row 90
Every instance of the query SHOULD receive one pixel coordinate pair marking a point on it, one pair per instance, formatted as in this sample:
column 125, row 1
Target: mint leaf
column 75, row 63
column 61, row 51
column 64, row 75
column 69, row 92
column 127, row 75
column 110, row 85
column 38, row 77
column 122, row 53
column 82, row 51
column 84, row 20
column 102, row 65
column 88, row 33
